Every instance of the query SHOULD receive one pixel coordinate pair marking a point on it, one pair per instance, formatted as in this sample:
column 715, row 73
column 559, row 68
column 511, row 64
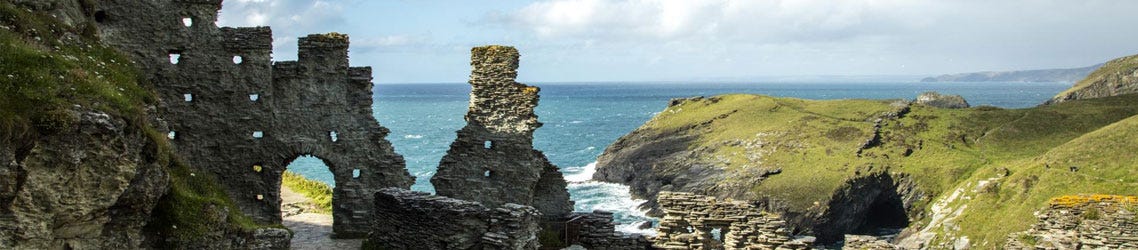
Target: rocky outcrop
column 90, row 185
column 237, row 115
column 702, row 222
column 1116, row 77
column 493, row 161
column 934, row 99
column 1083, row 222
column 417, row 220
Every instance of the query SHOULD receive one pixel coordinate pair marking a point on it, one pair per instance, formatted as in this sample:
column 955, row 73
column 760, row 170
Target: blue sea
column 581, row 119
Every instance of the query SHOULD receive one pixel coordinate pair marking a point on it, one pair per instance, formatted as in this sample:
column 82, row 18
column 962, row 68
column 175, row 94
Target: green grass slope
column 1106, row 164
column 816, row 146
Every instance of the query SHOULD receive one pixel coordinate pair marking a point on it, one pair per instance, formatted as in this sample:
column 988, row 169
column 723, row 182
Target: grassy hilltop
column 800, row 153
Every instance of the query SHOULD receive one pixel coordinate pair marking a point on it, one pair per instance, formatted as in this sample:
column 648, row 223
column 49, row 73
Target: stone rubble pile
column 1083, row 222
column 867, row 242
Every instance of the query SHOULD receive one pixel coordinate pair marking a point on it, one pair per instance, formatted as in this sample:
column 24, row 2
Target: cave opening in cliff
column 885, row 215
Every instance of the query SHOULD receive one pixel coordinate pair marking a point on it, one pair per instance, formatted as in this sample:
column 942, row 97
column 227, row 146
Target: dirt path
column 311, row 230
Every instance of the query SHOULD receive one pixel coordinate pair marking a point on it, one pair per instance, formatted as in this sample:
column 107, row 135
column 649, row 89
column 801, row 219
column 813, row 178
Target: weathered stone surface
column 934, row 99
column 91, row 185
column 493, row 161
column 597, row 231
column 1083, row 222
column 1116, row 77
column 416, row 220
column 866, row 243
column 229, row 108
column 692, row 221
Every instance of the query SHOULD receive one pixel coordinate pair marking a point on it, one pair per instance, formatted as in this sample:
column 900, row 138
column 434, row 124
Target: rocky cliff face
column 91, row 185
column 493, row 161
column 1117, row 77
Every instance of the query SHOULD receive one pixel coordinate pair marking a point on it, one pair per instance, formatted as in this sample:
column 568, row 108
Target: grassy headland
column 816, row 145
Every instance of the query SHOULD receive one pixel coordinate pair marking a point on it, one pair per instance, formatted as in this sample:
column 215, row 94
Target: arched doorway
column 306, row 193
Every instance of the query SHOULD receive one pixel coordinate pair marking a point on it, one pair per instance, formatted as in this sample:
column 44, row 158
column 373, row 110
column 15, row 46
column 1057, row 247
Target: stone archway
column 240, row 116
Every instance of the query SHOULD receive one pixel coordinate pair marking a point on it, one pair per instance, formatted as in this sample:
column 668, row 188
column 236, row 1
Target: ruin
column 228, row 109
column 1082, row 222
column 447, row 223
column 701, row 222
column 493, row 160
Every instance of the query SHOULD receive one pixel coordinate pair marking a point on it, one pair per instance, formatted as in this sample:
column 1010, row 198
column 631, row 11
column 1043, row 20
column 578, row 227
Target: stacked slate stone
column 690, row 221
column 416, row 220
column 597, row 231
column 493, row 161
column 1083, row 222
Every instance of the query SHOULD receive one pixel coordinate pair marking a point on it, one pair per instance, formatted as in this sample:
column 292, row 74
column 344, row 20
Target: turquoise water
column 582, row 119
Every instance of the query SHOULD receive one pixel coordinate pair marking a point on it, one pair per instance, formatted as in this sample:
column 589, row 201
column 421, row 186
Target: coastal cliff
column 857, row 166
column 1040, row 75
column 1117, row 77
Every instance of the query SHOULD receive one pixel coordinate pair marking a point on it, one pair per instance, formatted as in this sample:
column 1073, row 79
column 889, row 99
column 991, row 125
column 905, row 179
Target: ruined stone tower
column 493, row 160
column 232, row 112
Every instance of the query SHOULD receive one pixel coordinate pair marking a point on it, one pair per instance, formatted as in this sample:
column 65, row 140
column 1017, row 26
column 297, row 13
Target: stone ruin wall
column 447, row 223
column 493, row 160
column 690, row 219
column 597, row 231
column 233, row 112
column 1083, row 222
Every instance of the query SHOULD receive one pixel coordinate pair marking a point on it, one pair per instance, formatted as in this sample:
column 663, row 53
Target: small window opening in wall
column 717, row 234
column 188, row 22
column 258, row 168
column 258, row 134
column 488, row 144
column 488, row 173
column 356, row 173
column 175, row 57
column 335, row 137
column 238, row 59
column 188, row 97
column 100, row 16
column 254, row 97
column 171, row 135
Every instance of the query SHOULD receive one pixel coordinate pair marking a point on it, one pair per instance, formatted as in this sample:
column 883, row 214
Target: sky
column 429, row 41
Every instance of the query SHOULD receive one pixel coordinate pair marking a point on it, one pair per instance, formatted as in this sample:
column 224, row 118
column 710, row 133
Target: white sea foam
column 413, row 136
column 585, row 174
column 612, row 197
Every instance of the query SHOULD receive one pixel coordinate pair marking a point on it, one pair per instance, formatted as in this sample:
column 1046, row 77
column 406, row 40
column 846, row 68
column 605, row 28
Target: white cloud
column 789, row 37
column 753, row 21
